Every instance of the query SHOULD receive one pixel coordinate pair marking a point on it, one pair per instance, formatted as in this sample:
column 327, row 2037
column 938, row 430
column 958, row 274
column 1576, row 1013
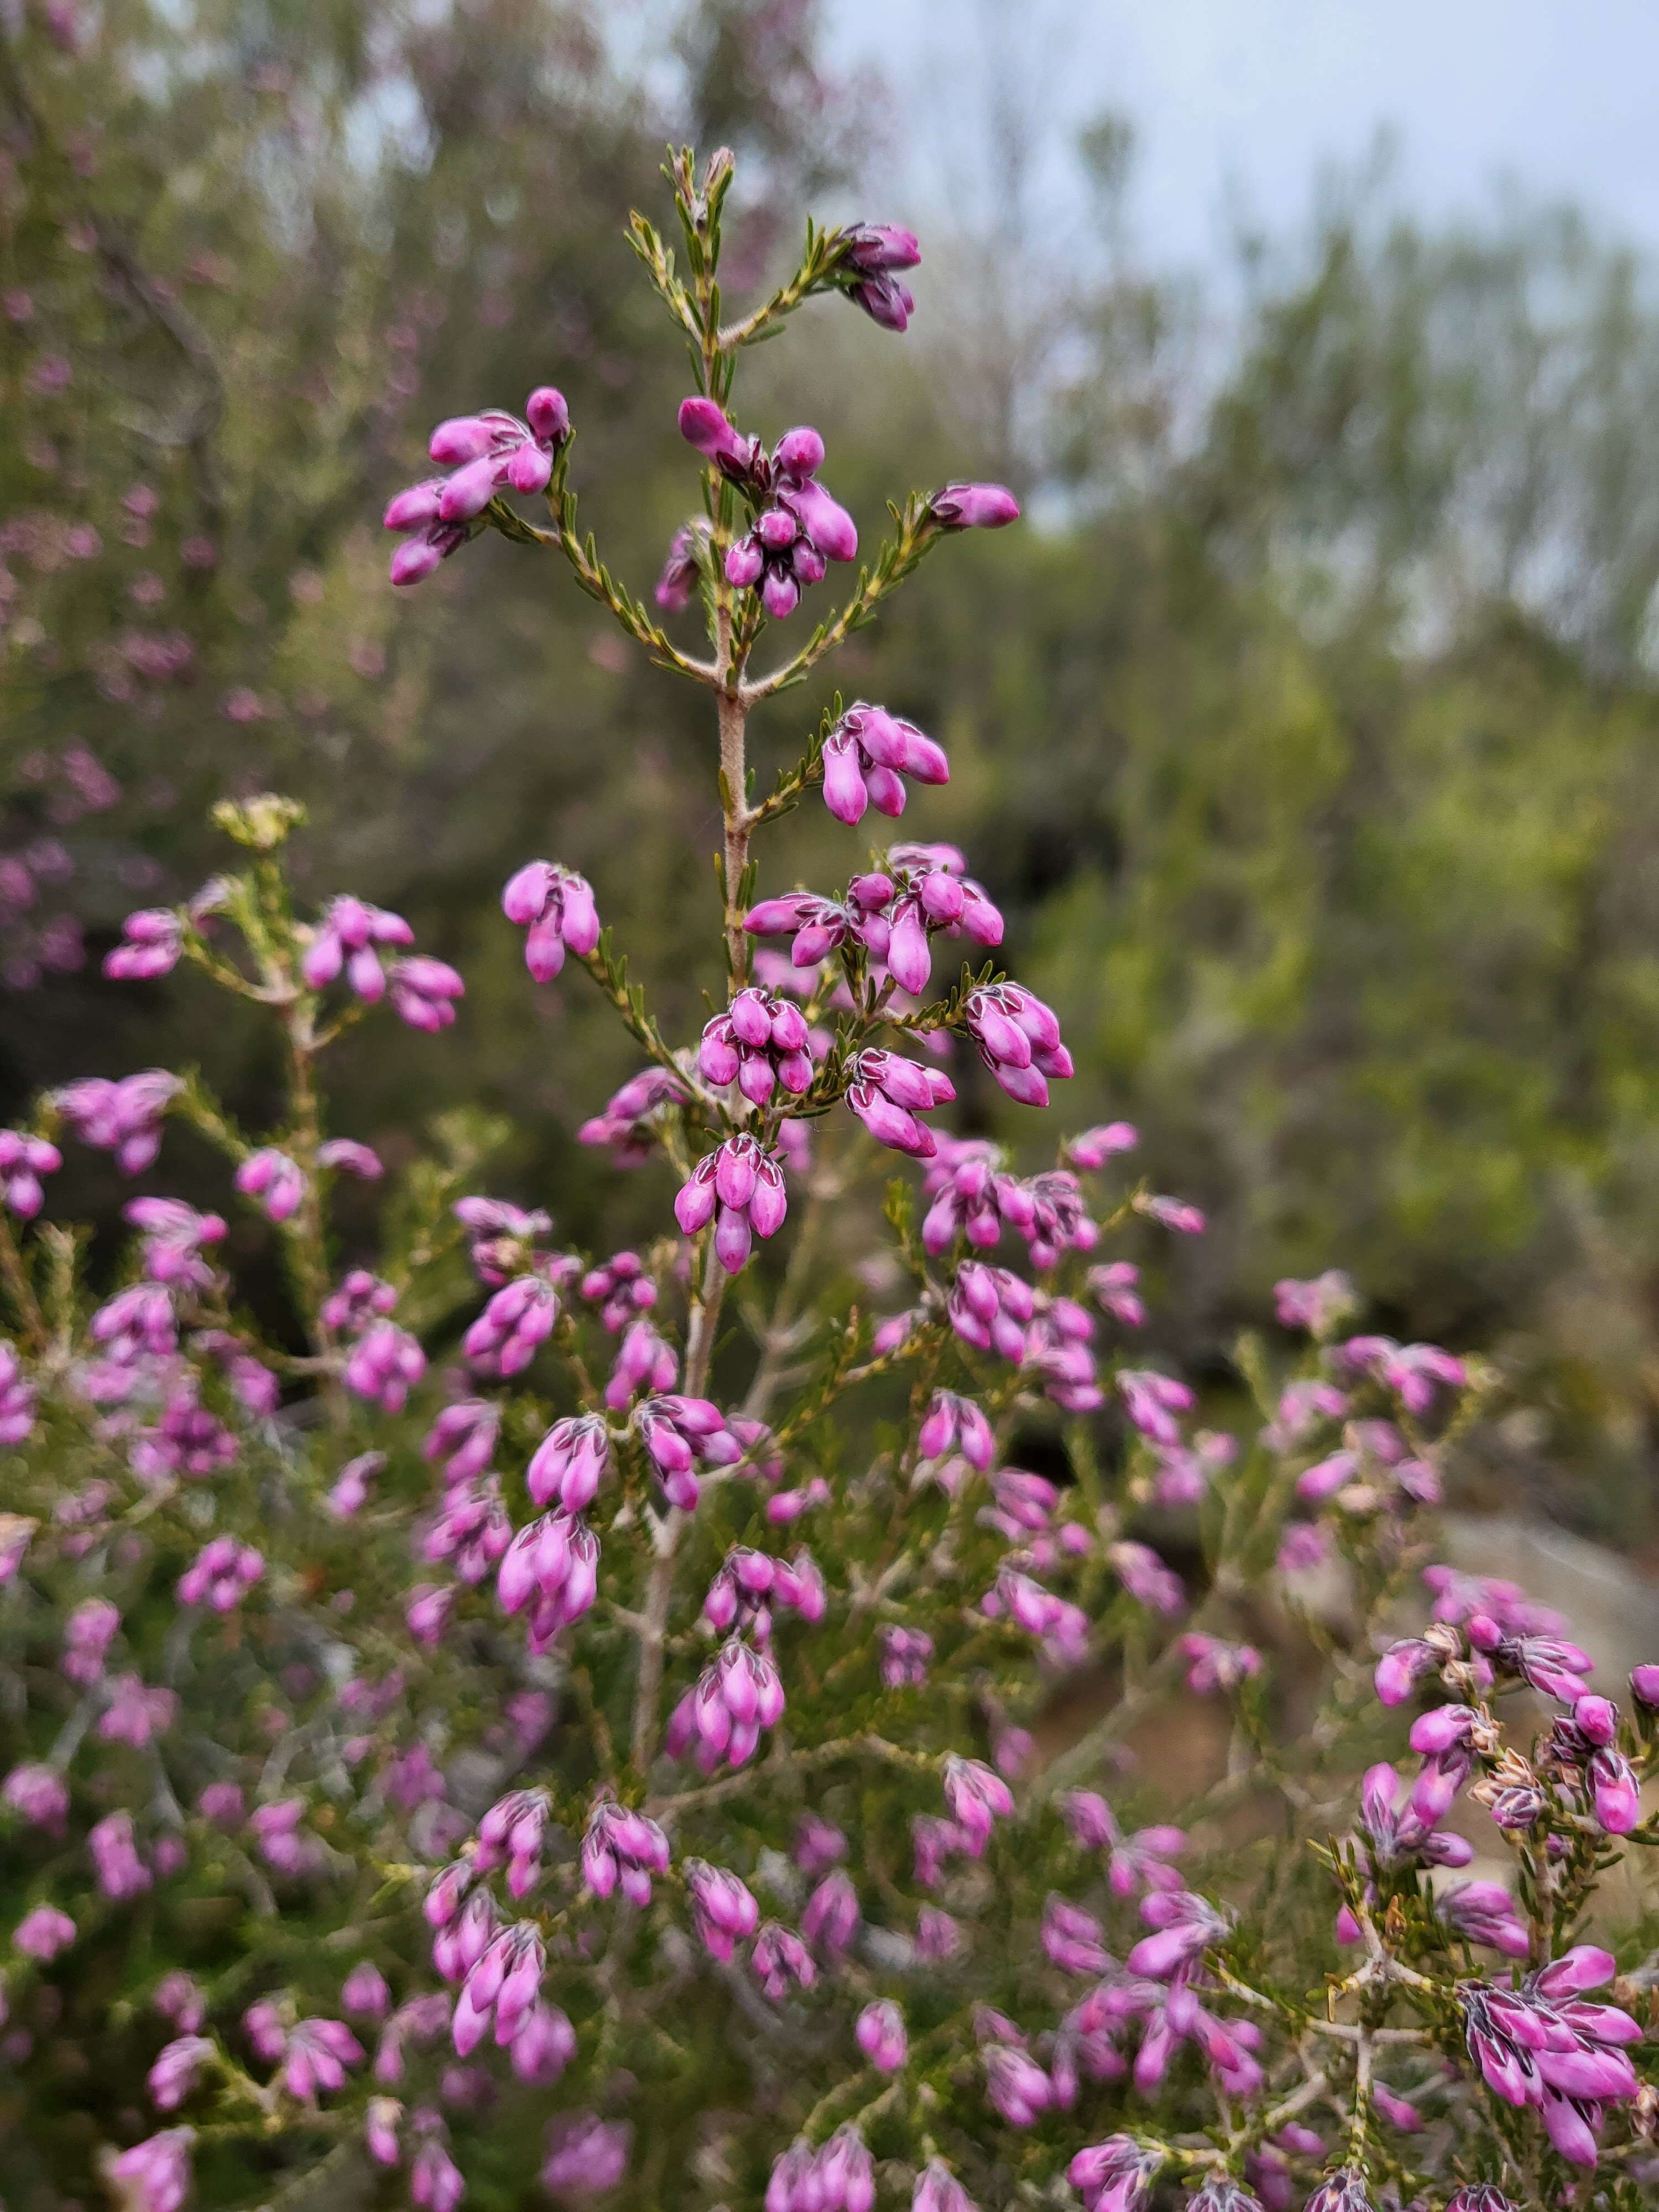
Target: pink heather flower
column 1061, row 1221
column 973, row 506
column 905, row 1653
column 620, row 1288
column 720, row 1719
column 435, row 2182
column 463, row 1438
column 682, row 572
column 938, row 2189
column 221, row 1803
column 179, row 1999
column 1318, row 1306
column 1114, row 1286
column 623, row 1849
column 554, row 906
column 1615, row 1795
column 830, row 1919
column 954, row 1423
column 1094, row 1148
column 881, row 2036
column 350, row 1493
column 360, row 1299
column 154, row 939
column 551, row 1567
column 887, row 1092
column 262, row 2024
column 739, row 1187
column 797, row 526
column 570, row 1462
column 1187, row 1925
column 587, row 2156
column 1397, row 1834
column 512, row 1835
column 678, row 1432
column 990, row 1308
column 424, row 993
column 1152, row 1402
column 347, row 937
column 1172, row 1213
column 747, row 1579
column 88, row 1633
column 866, row 758
column 174, row 1235
column 644, row 1361
column 135, row 1714
column 1484, row 1912
column 759, row 1042
column 471, row 1527
column 938, row 1936
column 501, row 1237
column 1540, row 2045
column 544, row 2046
column 871, row 253
column 839, row 2176
column 1062, row 1627
column 1146, row 1578
column 124, row 1118
column 516, row 1322
column 157, row 2171
column 1072, row 1938
column 1412, row 1372
column 487, row 454
column 23, row 1161
column 724, row 1907
column 1342, row 2191
column 345, row 1155
column 380, row 2130
column 819, row 926
column 978, row 1797
column 17, row 1398
column 177, row 2067
column 137, row 1323
column 384, row 1366
column 119, row 1871
column 1016, row 2085
column 779, row 1958
column 502, row 1985
column 364, row 1993
column 318, row 2053
column 38, row 1793
column 1133, row 1862
column 928, row 893
column 1115, row 2176
column 274, row 1180
column 628, row 1124
column 973, row 1196
column 1214, row 1664
column 1644, row 1686
column 1019, row 1040
column 42, row 1933
column 1548, row 1663
column 819, row 1844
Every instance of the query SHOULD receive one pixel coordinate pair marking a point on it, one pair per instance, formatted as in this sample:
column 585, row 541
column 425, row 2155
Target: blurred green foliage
column 1307, row 736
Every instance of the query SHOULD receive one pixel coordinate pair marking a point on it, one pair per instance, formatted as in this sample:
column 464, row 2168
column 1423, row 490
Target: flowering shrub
column 542, row 1715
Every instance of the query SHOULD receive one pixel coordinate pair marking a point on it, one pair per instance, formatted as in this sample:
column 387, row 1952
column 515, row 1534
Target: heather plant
column 526, row 1720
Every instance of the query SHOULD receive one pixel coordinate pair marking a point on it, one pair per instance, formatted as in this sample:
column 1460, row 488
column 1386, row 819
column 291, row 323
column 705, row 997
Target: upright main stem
column 733, row 716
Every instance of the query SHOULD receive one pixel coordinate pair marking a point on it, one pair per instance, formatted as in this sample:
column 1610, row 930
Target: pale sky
column 1562, row 95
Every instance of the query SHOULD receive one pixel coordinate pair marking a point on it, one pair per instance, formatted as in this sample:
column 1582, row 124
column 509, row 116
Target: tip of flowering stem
column 262, row 823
